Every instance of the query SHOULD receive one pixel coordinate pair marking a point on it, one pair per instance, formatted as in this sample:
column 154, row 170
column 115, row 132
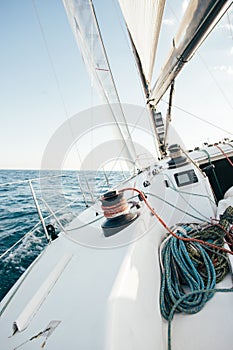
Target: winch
column 116, row 211
column 177, row 158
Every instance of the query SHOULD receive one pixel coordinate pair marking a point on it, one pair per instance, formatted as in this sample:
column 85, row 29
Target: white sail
column 199, row 19
column 137, row 269
column 143, row 20
column 83, row 21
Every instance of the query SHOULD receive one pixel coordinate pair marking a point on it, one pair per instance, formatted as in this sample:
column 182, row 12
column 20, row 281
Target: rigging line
column 140, row 115
column 172, row 187
column 127, row 42
column 174, row 206
column 226, row 156
column 123, row 147
column 168, row 116
column 216, row 82
column 32, row 231
column 27, row 180
column 58, row 86
column 58, row 193
column 167, row 228
column 54, row 215
column 184, row 192
column 20, row 240
column 230, row 25
column 114, row 85
column 99, row 217
column 146, row 92
column 49, row 57
column 199, row 118
column 191, row 206
column 195, row 164
column 205, row 64
column 132, row 131
column 135, row 65
column 60, row 209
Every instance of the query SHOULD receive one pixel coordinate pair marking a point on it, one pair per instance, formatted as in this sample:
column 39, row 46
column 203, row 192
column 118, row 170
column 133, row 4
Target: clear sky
column 45, row 82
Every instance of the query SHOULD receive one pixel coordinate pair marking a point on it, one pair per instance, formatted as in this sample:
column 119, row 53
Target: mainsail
column 143, row 20
column 83, row 21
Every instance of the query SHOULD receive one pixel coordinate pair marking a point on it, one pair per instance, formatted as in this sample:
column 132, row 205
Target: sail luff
column 200, row 18
column 82, row 17
column 124, row 130
column 158, row 21
column 140, row 69
column 143, row 20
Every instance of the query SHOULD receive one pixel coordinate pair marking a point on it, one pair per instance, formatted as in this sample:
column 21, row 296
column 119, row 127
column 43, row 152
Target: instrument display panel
column 185, row 178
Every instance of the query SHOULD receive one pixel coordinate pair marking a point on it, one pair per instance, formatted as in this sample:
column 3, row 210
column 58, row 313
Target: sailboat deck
column 93, row 291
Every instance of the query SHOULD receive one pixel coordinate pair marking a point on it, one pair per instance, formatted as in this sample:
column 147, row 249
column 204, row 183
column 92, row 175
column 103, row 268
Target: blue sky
column 35, row 101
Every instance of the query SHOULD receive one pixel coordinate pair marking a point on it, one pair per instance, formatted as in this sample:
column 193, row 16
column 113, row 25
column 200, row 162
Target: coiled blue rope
column 180, row 276
column 190, row 270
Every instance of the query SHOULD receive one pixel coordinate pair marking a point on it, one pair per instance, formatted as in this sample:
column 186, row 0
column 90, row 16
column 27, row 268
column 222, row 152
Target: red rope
column 220, row 149
column 228, row 234
column 112, row 210
column 168, row 228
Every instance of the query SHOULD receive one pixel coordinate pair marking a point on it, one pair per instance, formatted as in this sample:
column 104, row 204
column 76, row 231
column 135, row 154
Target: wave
column 18, row 215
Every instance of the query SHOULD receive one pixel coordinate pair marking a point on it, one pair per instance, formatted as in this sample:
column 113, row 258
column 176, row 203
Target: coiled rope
column 190, row 270
column 191, row 266
column 162, row 222
column 114, row 204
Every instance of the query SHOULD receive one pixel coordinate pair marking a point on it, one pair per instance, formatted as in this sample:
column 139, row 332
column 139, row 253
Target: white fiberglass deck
column 86, row 291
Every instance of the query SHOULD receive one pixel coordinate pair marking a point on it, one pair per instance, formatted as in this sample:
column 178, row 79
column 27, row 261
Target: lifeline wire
column 162, row 222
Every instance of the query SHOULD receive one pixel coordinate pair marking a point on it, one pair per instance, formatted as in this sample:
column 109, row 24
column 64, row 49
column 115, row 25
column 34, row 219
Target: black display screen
column 185, row 178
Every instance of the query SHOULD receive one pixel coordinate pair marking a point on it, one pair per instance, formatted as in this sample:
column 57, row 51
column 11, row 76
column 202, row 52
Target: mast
column 145, row 17
column 199, row 20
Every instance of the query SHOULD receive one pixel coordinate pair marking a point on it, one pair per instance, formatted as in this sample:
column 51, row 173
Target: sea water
column 64, row 194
